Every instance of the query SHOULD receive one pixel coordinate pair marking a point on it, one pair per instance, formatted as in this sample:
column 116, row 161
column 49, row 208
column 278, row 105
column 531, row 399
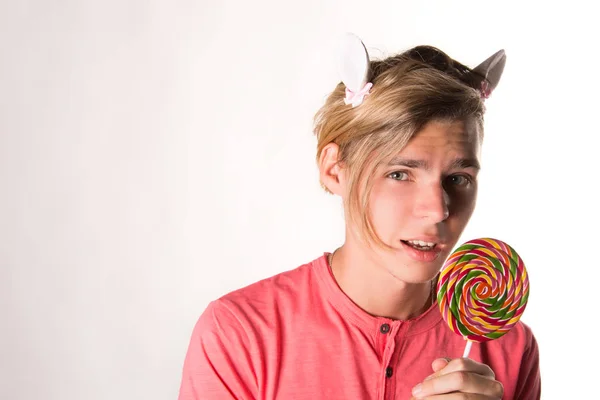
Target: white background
column 155, row 155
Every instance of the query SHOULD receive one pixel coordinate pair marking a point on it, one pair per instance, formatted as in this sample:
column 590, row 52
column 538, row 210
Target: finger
column 467, row 365
column 461, row 364
column 459, row 381
column 437, row 365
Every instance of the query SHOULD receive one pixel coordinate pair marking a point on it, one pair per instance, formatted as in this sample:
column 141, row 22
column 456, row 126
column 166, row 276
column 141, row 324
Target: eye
column 398, row 176
column 459, row 180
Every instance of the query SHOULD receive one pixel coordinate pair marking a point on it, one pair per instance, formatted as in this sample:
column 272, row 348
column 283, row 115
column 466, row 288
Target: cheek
column 462, row 205
column 388, row 206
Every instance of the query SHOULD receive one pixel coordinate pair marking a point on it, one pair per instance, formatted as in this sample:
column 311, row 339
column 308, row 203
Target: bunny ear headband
column 353, row 68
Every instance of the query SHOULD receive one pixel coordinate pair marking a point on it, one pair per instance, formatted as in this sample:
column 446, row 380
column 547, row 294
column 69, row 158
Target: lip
column 423, row 256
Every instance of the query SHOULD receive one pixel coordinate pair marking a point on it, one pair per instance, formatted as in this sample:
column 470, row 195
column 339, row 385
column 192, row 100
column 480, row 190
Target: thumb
column 439, row 364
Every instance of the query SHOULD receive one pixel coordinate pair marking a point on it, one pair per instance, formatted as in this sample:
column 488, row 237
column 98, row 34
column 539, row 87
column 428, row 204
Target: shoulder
column 518, row 364
column 516, row 347
column 531, row 351
column 263, row 302
column 275, row 288
column 521, row 336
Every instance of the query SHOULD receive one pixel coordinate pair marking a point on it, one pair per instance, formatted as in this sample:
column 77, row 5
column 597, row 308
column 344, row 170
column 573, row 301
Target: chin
column 415, row 272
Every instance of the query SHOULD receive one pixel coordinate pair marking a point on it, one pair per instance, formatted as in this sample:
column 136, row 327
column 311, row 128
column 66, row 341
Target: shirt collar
column 358, row 316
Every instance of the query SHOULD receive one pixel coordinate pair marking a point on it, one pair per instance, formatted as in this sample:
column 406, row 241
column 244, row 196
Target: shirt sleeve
column 218, row 363
column 529, row 386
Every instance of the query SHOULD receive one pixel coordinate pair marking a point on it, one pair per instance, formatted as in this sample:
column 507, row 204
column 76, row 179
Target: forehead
column 446, row 138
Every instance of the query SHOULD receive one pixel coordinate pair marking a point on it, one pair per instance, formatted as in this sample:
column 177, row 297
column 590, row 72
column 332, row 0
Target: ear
column 330, row 171
column 492, row 69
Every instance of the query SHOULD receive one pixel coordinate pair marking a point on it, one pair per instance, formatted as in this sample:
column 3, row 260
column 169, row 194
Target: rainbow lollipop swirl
column 483, row 289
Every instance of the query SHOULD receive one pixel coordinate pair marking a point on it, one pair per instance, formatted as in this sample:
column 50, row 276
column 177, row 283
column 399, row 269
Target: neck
column 374, row 289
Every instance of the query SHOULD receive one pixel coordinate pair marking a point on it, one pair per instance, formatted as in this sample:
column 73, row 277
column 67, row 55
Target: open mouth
column 422, row 251
column 420, row 245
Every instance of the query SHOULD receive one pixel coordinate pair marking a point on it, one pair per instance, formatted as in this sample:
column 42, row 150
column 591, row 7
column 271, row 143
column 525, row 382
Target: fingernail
column 417, row 389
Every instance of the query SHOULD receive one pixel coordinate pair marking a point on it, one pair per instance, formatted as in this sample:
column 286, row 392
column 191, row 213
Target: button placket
column 388, row 334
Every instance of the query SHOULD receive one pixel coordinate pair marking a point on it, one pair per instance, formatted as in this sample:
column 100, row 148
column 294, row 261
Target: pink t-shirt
column 297, row 336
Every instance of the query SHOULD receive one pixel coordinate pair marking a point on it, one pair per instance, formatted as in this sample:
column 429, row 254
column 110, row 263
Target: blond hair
column 409, row 90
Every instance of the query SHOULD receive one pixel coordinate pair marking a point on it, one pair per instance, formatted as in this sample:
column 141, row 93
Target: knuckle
column 461, row 363
column 462, row 378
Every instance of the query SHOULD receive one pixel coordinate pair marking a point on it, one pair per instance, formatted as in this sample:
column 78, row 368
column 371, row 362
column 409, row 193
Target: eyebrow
column 458, row 163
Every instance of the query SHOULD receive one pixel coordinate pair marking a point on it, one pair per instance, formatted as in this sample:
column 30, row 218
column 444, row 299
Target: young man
column 402, row 149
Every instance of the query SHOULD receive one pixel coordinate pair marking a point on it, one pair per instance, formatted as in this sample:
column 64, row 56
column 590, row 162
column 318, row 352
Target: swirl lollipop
column 482, row 290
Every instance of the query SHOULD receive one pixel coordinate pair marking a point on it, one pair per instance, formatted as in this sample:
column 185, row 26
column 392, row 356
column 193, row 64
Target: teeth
column 421, row 243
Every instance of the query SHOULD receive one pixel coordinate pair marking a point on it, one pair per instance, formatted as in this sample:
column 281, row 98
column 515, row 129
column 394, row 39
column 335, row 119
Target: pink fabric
column 297, row 336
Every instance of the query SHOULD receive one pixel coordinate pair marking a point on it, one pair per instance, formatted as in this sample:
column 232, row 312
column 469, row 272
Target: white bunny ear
column 353, row 68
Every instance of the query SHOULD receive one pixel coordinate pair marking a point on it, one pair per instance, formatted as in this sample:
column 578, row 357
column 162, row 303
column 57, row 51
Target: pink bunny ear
column 353, row 68
column 491, row 70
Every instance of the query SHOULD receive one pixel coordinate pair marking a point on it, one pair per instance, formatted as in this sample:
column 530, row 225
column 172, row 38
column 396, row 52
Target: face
column 423, row 198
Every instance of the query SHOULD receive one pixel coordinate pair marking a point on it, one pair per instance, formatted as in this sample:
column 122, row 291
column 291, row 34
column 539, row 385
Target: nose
column 433, row 203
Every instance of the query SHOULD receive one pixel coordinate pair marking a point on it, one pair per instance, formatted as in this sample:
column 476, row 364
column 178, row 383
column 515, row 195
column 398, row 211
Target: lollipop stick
column 467, row 349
